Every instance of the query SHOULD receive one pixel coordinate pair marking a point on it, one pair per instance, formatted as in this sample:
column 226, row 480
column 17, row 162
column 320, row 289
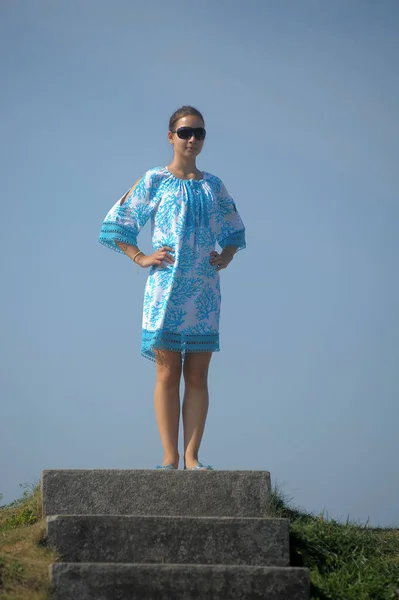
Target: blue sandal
column 200, row 467
column 166, row 467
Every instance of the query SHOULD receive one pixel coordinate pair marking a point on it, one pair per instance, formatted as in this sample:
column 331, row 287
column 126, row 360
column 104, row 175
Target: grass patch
column 24, row 557
column 347, row 561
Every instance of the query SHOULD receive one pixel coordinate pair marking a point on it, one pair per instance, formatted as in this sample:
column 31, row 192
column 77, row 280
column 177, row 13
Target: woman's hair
column 184, row 111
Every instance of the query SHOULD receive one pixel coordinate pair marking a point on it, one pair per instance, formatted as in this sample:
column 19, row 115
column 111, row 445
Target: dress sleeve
column 231, row 230
column 129, row 215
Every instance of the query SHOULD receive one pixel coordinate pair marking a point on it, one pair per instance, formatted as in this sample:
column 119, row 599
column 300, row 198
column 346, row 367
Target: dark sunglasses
column 185, row 133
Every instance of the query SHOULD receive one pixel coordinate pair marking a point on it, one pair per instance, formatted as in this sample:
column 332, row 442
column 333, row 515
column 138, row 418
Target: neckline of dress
column 180, row 179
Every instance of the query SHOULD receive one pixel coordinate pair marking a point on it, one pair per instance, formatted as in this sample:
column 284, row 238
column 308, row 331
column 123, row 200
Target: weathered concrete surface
column 84, row 581
column 157, row 493
column 180, row 540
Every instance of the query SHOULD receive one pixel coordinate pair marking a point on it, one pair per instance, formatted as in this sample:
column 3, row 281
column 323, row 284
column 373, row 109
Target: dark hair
column 184, row 111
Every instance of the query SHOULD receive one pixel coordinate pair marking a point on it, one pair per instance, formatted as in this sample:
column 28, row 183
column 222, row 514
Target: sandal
column 166, row 467
column 200, row 467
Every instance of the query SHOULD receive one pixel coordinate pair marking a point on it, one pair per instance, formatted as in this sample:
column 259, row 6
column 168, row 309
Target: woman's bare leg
column 195, row 403
column 167, row 403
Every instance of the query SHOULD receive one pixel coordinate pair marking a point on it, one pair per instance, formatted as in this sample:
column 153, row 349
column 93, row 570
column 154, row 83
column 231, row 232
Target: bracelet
column 137, row 253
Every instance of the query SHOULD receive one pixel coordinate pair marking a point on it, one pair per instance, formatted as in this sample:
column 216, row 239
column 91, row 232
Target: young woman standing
column 190, row 211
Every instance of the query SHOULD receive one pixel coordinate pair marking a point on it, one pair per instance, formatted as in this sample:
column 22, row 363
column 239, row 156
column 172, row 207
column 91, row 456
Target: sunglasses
column 185, row 133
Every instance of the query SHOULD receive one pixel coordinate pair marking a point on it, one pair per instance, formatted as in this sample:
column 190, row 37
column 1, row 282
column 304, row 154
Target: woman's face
column 186, row 148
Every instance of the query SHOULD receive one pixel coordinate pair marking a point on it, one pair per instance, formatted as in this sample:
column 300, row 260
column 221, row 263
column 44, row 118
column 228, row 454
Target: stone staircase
column 167, row 535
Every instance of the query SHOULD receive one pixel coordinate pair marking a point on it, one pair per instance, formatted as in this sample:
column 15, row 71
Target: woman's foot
column 171, row 462
column 194, row 465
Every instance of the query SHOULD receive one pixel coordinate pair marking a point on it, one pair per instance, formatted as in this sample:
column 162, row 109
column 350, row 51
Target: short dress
column 182, row 300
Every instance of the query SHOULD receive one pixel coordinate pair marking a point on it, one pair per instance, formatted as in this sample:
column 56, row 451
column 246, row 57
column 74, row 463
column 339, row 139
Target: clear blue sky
column 301, row 102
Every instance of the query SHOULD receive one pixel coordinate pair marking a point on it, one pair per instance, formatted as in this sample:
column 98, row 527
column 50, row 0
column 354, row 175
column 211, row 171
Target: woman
column 190, row 211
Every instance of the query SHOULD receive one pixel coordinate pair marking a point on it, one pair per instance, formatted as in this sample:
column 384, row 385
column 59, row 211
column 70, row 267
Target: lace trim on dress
column 177, row 342
column 112, row 232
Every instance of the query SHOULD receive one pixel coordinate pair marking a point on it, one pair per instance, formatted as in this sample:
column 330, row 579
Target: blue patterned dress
column 181, row 300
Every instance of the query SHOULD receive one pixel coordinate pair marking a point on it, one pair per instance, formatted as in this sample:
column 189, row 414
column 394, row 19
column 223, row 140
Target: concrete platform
column 156, row 493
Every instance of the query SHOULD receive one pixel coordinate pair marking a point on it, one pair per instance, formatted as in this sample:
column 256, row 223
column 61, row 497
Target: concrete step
column 85, row 581
column 180, row 540
column 156, row 493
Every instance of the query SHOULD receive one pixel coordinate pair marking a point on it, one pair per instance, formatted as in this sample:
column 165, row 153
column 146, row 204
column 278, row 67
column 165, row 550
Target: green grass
column 24, row 557
column 347, row 561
